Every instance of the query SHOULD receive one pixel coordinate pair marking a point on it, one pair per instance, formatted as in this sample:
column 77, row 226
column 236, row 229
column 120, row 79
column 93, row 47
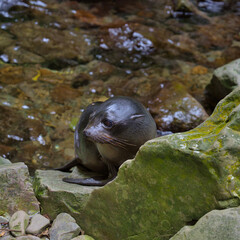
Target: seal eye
column 107, row 123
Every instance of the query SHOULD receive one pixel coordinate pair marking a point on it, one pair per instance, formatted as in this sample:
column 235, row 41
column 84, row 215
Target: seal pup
column 107, row 134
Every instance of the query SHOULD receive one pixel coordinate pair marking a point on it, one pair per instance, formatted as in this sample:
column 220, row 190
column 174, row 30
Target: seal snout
column 86, row 133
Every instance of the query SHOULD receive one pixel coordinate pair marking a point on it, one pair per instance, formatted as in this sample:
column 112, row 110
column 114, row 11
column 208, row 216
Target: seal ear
column 136, row 116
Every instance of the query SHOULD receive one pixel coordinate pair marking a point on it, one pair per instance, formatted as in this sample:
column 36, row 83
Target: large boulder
column 16, row 190
column 173, row 180
column 224, row 80
column 218, row 224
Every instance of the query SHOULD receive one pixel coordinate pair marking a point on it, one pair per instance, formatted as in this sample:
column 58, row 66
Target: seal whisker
column 113, row 141
column 123, row 141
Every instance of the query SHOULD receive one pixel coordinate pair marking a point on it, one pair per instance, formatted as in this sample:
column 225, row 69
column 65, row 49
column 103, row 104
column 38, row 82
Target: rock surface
column 64, row 227
column 3, row 220
column 19, row 222
column 217, row 224
column 175, row 110
column 4, row 161
column 224, row 80
column 38, row 224
column 173, row 180
column 16, row 177
column 57, row 196
column 83, row 237
column 28, row 237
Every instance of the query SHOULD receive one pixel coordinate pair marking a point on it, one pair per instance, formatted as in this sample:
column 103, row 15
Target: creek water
column 56, row 57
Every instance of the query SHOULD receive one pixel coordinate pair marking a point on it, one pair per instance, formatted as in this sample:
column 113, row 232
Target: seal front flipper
column 88, row 181
column 68, row 166
column 94, row 181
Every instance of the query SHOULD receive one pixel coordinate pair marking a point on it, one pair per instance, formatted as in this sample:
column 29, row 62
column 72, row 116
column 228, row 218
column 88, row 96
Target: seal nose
column 86, row 133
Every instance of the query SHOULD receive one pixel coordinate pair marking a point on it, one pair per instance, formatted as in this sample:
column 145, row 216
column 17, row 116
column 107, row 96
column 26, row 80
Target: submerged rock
column 217, row 224
column 15, row 177
column 173, row 180
column 225, row 79
column 52, row 44
column 176, row 110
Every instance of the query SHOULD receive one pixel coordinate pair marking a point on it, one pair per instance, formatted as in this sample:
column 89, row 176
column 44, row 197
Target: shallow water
column 56, row 57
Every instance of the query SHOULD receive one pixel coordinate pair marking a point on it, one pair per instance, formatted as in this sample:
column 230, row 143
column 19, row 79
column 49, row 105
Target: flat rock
column 19, row 221
column 64, row 227
column 57, row 196
column 38, row 224
column 16, row 190
column 217, row 224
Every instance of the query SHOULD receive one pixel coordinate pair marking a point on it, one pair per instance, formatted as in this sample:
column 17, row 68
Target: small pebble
column 19, row 221
column 38, row 224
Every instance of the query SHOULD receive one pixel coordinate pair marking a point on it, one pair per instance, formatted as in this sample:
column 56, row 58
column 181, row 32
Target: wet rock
column 17, row 54
column 38, row 224
column 7, row 151
column 19, row 222
column 224, row 80
column 16, row 177
column 13, row 127
column 63, row 93
column 176, row 110
column 5, row 40
column 217, row 224
column 11, row 74
column 57, row 196
column 64, row 227
column 185, row 7
column 186, row 175
column 53, row 44
column 127, row 45
column 230, row 54
column 101, row 70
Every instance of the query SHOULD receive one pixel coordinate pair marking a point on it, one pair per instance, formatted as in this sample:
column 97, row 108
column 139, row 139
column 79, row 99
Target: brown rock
column 63, row 93
column 176, row 110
